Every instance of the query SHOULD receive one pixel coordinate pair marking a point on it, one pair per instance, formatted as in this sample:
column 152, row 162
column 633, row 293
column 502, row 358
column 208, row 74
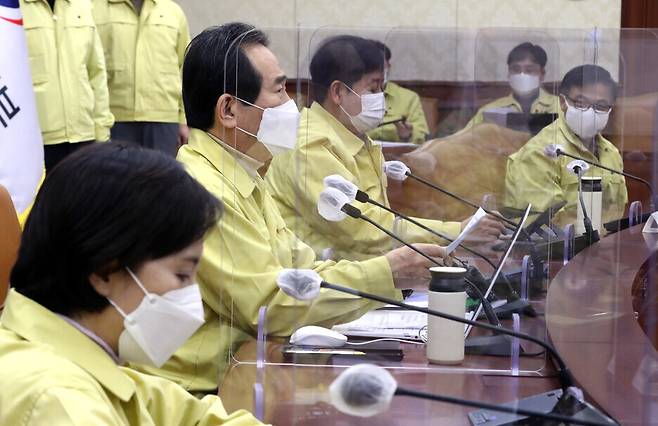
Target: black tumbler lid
column 447, row 279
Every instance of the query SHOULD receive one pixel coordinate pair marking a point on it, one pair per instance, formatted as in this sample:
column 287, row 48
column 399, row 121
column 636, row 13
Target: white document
column 390, row 144
column 400, row 324
column 469, row 227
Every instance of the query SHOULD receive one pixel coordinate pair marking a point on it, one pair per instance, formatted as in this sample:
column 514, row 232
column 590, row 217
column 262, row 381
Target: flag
column 21, row 147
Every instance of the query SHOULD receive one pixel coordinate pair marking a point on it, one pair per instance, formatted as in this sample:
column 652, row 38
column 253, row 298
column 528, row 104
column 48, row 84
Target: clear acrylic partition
column 592, row 308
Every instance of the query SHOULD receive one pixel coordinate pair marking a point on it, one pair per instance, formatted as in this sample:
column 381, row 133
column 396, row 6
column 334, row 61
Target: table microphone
column 555, row 150
column 333, row 205
column 305, row 284
column 354, row 193
column 397, row 170
column 578, row 168
column 366, row 390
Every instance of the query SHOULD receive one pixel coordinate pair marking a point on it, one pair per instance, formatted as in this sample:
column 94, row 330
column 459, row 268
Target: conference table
column 588, row 313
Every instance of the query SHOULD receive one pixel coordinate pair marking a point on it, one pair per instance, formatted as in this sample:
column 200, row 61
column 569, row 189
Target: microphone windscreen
column 343, row 185
column 363, row 390
column 551, row 150
column 577, row 164
column 330, row 203
column 301, row 284
column 396, row 170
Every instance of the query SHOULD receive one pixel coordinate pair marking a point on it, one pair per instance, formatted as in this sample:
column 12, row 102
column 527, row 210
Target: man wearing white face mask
column 526, row 65
column 587, row 94
column 400, row 103
column 241, row 117
column 347, row 76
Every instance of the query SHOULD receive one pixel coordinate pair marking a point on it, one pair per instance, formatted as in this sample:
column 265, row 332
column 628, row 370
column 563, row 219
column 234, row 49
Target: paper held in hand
column 468, row 228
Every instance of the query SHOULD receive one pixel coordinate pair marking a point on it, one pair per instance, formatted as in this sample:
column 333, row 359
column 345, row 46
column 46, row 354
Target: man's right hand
column 406, row 264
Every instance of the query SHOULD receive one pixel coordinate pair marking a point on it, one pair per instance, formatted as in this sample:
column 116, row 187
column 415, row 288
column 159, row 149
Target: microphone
column 555, row 150
column 366, row 390
column 334, row 206
column 354, row 193
column 306, row 284
column 397, row 170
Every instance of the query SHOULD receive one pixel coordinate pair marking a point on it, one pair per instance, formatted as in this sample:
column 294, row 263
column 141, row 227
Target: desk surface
column 297, row 393
column 591, row 322
column 590, row 319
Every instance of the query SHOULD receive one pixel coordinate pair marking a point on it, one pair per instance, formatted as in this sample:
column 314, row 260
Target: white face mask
column 373, row 108
column 524, row 84
column 160, row 324
column 587, row 123
column 278, row 127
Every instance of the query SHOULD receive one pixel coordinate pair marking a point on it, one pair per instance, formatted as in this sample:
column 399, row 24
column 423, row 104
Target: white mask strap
column 247, row 133
column 141, row 286
column 249, row 103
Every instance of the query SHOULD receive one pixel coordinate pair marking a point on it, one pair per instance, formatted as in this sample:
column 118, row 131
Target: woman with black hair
column 105, row 274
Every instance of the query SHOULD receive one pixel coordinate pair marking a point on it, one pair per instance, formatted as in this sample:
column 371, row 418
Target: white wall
column 462, row 40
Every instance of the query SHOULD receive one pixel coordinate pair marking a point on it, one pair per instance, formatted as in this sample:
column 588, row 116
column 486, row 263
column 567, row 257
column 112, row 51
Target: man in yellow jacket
column 403, row 104
column 144, row 43
column 347, row 76
column 526, row 65
column 587, row 94
column 68, row 75
column 239, row 113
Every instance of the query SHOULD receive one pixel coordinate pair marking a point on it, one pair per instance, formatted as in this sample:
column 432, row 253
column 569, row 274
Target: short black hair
column 345, row 58
column 384, row 48
column 585, row 75
column 215, row 63
column 104, row 208
column 526, row 50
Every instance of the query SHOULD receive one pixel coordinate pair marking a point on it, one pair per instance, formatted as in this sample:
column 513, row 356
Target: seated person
column 102, row 260
column 526, row 64
column 346, row 74
column 400, row 103
column 587, row 94
column 247, row 250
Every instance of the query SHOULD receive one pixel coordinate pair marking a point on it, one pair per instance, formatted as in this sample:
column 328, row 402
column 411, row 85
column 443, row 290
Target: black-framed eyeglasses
column 584, row 105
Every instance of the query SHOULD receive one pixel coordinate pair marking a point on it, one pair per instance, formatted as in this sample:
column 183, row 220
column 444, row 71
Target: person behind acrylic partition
column 526, row 65
column 587, row 96
column 144, row 43
column 400, row 103
column 347, row 76
column 240, row 116
column 105, row 275
column 68, row 75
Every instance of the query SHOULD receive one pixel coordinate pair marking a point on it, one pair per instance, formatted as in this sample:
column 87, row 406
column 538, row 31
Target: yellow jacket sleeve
column 170, row 405
column 417, row 119
column 72, row 406
column 183, row 41
column 103, row 118
column 240, row 267
column 532, row 177
column 350, row 238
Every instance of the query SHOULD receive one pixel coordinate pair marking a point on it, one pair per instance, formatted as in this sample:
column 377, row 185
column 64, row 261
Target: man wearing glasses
column 587, row 94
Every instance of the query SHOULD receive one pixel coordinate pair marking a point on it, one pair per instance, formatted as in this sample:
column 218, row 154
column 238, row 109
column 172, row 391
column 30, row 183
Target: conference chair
column 9, row 241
